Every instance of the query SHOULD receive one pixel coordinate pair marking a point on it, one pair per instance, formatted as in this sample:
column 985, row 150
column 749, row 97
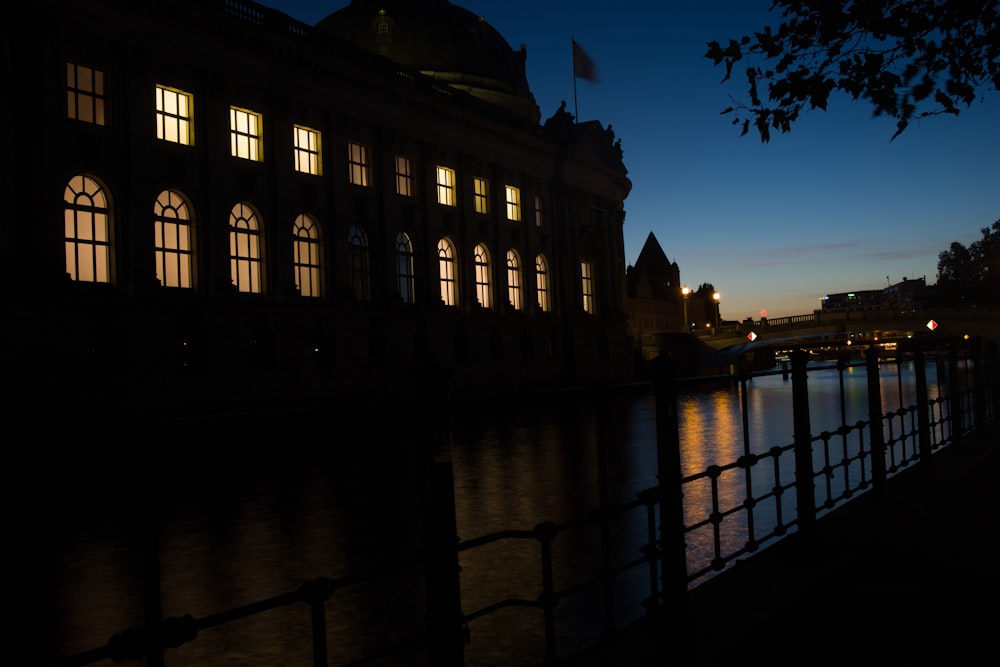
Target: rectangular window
column 481, row 194
column 245, row 129
column 587, row 274
column 538, row 210
column 86, row 97
column 513, row 204
column 174, row 122
column 404, row 176
column 446, row 186
column 306, row 150
column 357, row 164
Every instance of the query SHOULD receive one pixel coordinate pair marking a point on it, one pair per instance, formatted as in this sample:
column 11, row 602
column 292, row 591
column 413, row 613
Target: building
column 906, row 296
column 654, row 292
column 663, row 312
column 207, row 202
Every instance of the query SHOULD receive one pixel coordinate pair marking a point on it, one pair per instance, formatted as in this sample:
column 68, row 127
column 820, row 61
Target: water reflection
column 232, row 533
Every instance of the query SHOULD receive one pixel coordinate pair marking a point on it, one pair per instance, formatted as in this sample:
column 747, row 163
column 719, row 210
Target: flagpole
column 576, row 112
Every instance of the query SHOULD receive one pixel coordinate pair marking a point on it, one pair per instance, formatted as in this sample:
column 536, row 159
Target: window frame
column 358, row 164
column 246, row 134
column 307, row 256
column 587, row 287
column 87, row 230
column 448, row 272
column 405, row 277
column 513, row 197
column 542, row 287
column 404, row 176
column 445, row 186
column 514, row 291
column 174, row 264
column 480, row 195
column 307, row 159
column 93, row 98
column 175, row 121
column 483, row 271
column 246, row 264
column 359, row 263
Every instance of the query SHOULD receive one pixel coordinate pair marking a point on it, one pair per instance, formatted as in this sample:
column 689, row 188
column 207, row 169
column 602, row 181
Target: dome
column 442, row 41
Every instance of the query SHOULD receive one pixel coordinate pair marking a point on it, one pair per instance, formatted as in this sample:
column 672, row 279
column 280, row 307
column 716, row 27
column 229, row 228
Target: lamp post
column 716, row 297
column 685, row 290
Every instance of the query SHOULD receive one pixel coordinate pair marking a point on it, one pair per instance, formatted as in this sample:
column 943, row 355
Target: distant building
column 207, row 202
column 654, row 292
column 661, row 316
column 905, row 296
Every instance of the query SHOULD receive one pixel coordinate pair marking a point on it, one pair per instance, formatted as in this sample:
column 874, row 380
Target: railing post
column 876, row 417
column 545, row 532
column 804, row 479
column 955, row 397
column 674, row 592
column 445, row 621
column 994, row 379
column 607, row 567
column 979, row 382
column 923, row 405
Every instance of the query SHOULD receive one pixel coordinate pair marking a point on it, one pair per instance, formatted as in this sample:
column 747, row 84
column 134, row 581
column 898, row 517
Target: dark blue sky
column 832, row 206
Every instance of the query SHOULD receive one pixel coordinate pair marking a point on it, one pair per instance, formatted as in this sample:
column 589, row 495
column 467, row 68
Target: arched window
column 306, row 256
column 404, row 267
column 245, row 249
column 448, row 272
column 484, row 288
column 172, row 240
column 360, row 274
column 514, row 279
column 542, row 283
column 87, row 220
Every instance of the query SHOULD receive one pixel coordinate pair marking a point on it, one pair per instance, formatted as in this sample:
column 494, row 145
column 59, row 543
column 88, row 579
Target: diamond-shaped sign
column 752, row 336
column 932, row 325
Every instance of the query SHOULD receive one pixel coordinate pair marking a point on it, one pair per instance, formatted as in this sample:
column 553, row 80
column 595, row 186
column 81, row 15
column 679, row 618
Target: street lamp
column 716, row 297
column 684, row 293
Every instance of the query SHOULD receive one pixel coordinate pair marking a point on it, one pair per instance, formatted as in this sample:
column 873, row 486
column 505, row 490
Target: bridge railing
column 793, row 484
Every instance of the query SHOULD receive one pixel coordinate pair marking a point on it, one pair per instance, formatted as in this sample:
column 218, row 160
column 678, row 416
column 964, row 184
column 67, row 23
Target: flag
column 583, row 64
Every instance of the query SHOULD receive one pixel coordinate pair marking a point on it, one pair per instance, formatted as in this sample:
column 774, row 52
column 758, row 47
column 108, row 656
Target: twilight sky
column 832, row 206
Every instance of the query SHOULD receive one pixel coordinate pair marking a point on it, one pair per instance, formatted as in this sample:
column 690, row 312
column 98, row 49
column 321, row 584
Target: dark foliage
column 971, row 275
column 908, row 58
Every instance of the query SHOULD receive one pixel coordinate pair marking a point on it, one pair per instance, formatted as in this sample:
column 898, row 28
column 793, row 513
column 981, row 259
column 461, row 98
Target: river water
column 233, row 530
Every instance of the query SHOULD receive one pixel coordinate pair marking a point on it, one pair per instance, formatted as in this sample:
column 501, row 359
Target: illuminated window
column 513, row 204
column 360, row 275
column 87, row 220
column 174, row 122
column 587, row 286
column 172, row 240
column 404, row 176
column 538, row 210
column 306, row 256
column 245, row 134
column 404, row 267
column 481, row 259
column 357, row 164
column 244, row 249
column 86, row 96
column 448, row 272
column 305, row 142
column 481, row 195
column 514, row 279
column 542, row 283
column 446, row 186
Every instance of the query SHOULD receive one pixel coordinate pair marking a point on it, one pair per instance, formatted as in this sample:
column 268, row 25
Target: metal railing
column 822, row 471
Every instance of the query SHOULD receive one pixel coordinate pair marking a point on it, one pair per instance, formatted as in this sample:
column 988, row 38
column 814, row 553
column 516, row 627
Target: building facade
column 207, row 202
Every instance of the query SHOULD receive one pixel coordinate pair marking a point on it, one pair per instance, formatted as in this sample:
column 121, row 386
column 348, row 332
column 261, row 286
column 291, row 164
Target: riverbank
column 892, row 575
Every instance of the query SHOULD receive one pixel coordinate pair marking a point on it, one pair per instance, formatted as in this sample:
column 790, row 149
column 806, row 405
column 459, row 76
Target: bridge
column 752, row 343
